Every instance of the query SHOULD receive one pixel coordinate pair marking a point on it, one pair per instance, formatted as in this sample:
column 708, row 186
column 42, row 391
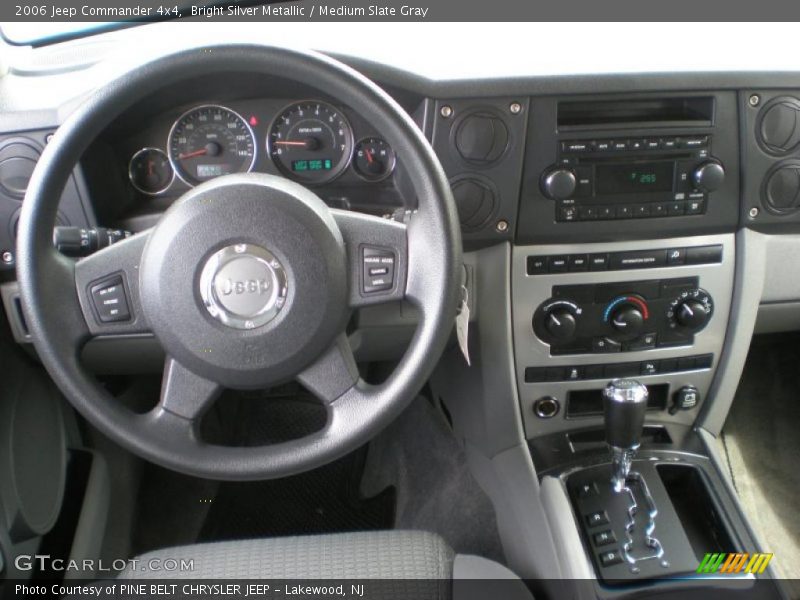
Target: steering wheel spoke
column 377, row 255
column 107, row 284
column 184, row 393
column 333, row 373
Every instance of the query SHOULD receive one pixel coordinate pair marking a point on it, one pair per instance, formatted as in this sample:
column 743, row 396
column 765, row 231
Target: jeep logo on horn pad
column 243, row 286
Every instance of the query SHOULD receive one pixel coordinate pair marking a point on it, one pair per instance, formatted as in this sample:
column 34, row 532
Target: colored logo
column 732, row 563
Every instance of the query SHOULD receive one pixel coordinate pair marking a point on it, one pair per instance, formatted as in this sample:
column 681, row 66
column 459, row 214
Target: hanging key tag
column 462, row 324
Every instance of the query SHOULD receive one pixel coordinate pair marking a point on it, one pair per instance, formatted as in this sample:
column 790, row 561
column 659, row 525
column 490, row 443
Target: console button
column 619, row 145
column 668, row 365
column 658, row 209
column 602, row 146
column 621, row 370
column 576, row 147
column 596, row 518
column 638, row 260
column 625, row 211
column 537, row 265
column 578, row 262
column 568, row 213
column 610, row 558
column 110, row 301
column 554, row 374
column 606, row 212
column 687, row 363
column 704, row 255
column 636, row 144
column 598, row 262
column 587, row 213
column 593, row 372
column 535, row 374
column 573, row 373
column 586, row 490
column 641, row 211
column 604, row 538
column 704, row 361
column 695, row 207
column 699, row 141
column 558, row 264
column 652, row 144
column 669, row 143
column 675, row 256
column 649, row 367
column 676, row 208
column 645, row 342
column 602, row 345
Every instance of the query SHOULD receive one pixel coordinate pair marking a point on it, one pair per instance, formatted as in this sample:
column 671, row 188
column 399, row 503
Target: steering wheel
column 247, row 281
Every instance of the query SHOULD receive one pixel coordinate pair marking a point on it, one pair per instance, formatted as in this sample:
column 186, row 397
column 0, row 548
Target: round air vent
column 476, row 201
column 781, row 189
column 480, row 137
column 18, row 158
column 778, row 126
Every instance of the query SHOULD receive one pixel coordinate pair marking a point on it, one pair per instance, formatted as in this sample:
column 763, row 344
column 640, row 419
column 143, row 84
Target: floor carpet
column 761, row 442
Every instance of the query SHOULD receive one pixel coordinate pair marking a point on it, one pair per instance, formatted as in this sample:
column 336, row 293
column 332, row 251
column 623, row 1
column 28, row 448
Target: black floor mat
column 325, row 500
column 175, row 509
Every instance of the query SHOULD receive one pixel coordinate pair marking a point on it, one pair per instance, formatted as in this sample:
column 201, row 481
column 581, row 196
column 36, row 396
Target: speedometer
column 209, row 141
column 311, row 142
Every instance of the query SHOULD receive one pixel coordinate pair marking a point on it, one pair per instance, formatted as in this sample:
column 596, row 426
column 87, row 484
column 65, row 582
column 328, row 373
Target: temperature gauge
column 374, row 159
column 150, row 171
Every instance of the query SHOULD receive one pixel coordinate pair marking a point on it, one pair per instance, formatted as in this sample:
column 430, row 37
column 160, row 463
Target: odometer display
column 311, row 142
column 209, row 141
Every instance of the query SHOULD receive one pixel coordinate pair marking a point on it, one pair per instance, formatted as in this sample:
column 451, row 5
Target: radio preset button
column 625, row 211
column 676, row 208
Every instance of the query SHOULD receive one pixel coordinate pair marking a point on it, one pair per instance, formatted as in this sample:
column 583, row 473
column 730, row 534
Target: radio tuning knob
column 559, row 183
column 709, row 176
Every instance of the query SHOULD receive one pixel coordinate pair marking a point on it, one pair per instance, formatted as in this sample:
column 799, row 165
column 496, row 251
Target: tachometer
column 311, row 142
column 209, row 141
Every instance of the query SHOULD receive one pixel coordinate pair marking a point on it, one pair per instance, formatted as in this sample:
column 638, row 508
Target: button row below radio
column 622, row 261
column 618, row 370
column 635, row 144
column 569, row 211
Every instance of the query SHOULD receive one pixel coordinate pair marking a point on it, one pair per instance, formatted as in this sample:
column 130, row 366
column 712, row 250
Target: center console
column 622, row 283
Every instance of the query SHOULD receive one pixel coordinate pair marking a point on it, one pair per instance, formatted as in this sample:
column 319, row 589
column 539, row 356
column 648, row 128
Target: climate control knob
column 558, row 184
column 560, row 323
column 556, row 321
column 709, row 176
column 628, row 320
column 627, row 316
column 691, row 311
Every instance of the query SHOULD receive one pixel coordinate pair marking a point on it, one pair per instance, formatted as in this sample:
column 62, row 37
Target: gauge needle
column 288, row 143
column 370, row 160
column 200, row 152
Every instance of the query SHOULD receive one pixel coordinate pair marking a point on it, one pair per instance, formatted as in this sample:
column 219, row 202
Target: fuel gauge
column 150, row 171
column 374, row 159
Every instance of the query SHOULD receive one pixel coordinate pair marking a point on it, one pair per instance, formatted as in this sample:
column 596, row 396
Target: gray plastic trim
column 751, row 256
column 529, row 291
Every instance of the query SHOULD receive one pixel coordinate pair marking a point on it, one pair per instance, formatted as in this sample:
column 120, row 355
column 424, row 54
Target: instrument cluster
column 311, row 142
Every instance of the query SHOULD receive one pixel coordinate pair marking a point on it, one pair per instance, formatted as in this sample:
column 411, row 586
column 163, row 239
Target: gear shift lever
column 624, row 406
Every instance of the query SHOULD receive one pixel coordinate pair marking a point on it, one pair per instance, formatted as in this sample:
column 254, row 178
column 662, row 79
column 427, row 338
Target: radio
column 659, row 176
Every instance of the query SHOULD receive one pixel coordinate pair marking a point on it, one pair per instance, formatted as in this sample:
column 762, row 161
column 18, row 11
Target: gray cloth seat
column 418, row 564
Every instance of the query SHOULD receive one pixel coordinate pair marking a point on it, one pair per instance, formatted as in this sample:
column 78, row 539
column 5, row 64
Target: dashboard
column 608, row 221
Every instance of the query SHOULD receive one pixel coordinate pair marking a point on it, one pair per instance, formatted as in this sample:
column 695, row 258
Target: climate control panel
column 620, row 317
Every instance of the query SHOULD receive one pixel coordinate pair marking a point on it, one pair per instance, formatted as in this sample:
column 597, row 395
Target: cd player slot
column 697, row 111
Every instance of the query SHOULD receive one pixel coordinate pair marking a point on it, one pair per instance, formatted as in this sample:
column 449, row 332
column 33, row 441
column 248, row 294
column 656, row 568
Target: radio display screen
column 634, row 178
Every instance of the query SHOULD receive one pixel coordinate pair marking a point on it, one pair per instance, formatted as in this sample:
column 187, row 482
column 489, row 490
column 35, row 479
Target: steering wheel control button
column 243, row 286
column 110, row 300
column 378, row 266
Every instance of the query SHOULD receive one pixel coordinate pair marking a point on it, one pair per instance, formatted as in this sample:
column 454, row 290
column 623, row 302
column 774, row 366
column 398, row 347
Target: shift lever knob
column 624, row 407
